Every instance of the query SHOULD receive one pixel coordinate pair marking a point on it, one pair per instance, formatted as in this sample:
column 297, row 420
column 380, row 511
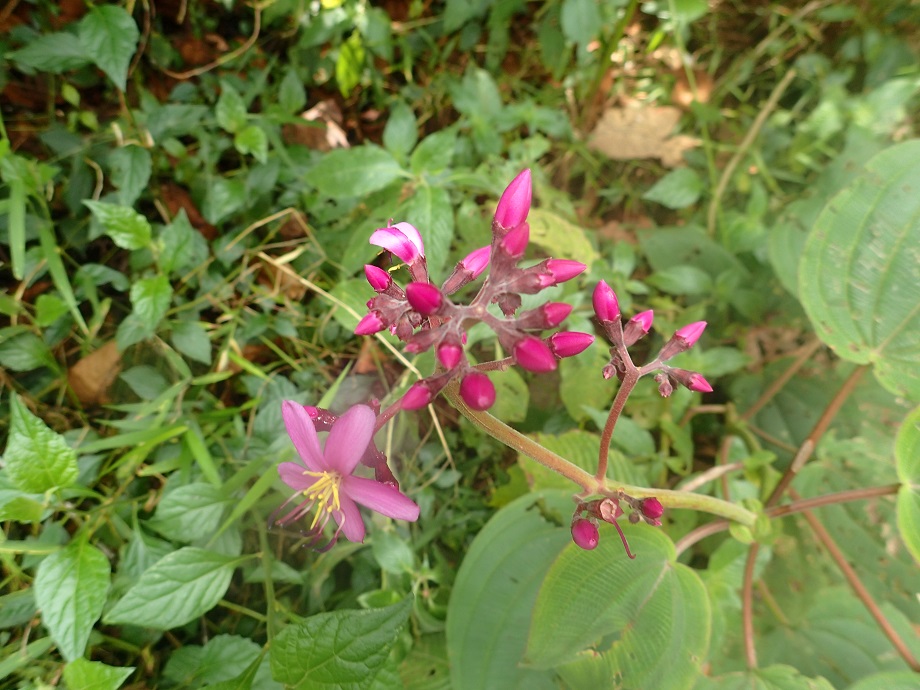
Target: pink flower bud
column 515, row 242
column 476, row 261
column 378, row 278
column 555, row 313
column 605, row 302
column 401, row 240
column 644, row 319
column 477, row 391
column 416, row 397
column 514, row 205
column 534, row 355
column 585, row 534
column 691, row 332
column 651, row 508
column 563, row 270
column 699, row 384
column 449, row 354
column 569, row 343
column 369, row 325
column 425, row 298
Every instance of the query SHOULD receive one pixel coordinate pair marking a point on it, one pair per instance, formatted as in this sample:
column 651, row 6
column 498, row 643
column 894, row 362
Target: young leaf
column 401, row 131
column 70, row 589
column 177, row 589
column 37, row 459
column 252, row 141
column 337, row 649
column 350, row 64
column 344, row 173
column 110, row 37
column 191, row 339
column 131, row 168
column 150, row 298
column 81, row 674
column 127, row 228
column 680, row 188
column 230, row 110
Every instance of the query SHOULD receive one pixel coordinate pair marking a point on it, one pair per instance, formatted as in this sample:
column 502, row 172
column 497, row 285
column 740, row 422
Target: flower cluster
column 427, row 318
column 584, row 522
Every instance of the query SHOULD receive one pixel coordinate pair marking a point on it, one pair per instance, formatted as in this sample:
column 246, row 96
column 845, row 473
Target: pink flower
column 325, row 480
column 514, row 205
column 605, row 302
column 691, row 332
column 402, row 240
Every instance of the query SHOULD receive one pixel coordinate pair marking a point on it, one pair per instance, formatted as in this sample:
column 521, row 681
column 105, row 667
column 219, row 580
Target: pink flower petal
column 292, row 474
column 300, row 428
column 413, row 235
column 381, row 498
column 396, row 243
column 353, row 524
column 349, row 438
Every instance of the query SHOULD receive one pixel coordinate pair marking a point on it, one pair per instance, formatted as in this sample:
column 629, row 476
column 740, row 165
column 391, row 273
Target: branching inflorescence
column 427, row 317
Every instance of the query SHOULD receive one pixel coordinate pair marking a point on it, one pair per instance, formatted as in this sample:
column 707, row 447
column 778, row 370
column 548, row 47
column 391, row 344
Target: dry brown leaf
column 91, row 377
column 628, row 133
column 325, row 138
column 176, row 198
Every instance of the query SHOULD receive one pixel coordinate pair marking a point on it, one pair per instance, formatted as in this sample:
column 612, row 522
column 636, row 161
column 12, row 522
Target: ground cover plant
column 461, row 344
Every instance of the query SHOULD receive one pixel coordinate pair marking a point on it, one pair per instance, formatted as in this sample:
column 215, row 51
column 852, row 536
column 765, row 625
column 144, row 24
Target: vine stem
column 591, row 484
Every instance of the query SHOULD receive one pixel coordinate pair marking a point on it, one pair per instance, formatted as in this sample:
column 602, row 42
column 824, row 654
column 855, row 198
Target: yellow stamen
column 325, row 492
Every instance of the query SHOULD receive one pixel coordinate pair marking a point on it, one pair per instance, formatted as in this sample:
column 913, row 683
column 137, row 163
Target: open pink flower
column 401, row 239
column 325, row 479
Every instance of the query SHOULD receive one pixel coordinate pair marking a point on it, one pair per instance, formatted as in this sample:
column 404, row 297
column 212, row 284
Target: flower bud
column 651, row 508
column 605, row 302
column 691, row 332
column 569, row 343
column 665, row 387
column 477, row 391
column 561, row 270
column 534, row 355
column 369, row 325
column 449, row 354
column 637, row 327
column 416, row 397
column 699, row 384
column 555, row 313
column 476, row 261
column 514, row 204
column 585, row 534
column 514, row 244
column 378, row 278
column 425, row 298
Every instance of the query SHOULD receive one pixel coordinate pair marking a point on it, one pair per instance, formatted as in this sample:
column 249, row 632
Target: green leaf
column 680, row 188
column 686, row 11
column 177, row 589
column 24, row 351
column 292, row 97
column 343, row 649
column 131, row 167
column 70, row 589
column 127, row 228
column 429, row 209
column 559, row 237
column 490, row 607
column 110, row 37
column 253, row 141
column 777, row 677
column 897, row 680
column 356, row 172
column 907, row 455
column 401, row 132
column 16, row 226
column 17, row 608
column 188, row 513
column 861, row 265
column 580, row 20
column 435, row 153
column 581, row 384
column 57, row 52
column 681, row 280
column 150, row 298
column 183, row 247
column 350, row 64
column 230, row 110
column 191, row 339
column 81, row 674
column 223, row 658
column 37, row 459
column 512, row 397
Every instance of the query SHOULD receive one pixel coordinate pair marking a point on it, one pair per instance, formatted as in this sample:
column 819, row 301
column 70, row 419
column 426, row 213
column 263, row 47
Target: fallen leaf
column 175, row 198
column 321, row 129
column 91, row 377
column 628, row 133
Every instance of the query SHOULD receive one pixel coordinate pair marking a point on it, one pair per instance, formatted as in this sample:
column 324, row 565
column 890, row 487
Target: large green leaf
column 188, row 513
column 177, row 589
column 354, row 172
column 70, row 589
column 339, row 649
column 898, row 680
column 81, row 674
column 770, row 678
column 859, row 277
column 490, row 607
column 648, row 618
column 907, row 454
column 37, row 458
column 110, row 36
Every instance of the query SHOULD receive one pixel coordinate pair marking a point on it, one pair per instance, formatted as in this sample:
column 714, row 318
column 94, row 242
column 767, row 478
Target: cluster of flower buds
column 607, row 310
column 425, row 316
column 585, row 533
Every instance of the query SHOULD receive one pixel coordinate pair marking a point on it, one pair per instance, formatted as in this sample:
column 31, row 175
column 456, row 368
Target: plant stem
column 591, row 484
column 626, row 388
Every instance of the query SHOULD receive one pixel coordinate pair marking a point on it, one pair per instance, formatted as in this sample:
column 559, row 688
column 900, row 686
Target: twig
column 747, row 607
column 729, row 170
column 226, row 57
